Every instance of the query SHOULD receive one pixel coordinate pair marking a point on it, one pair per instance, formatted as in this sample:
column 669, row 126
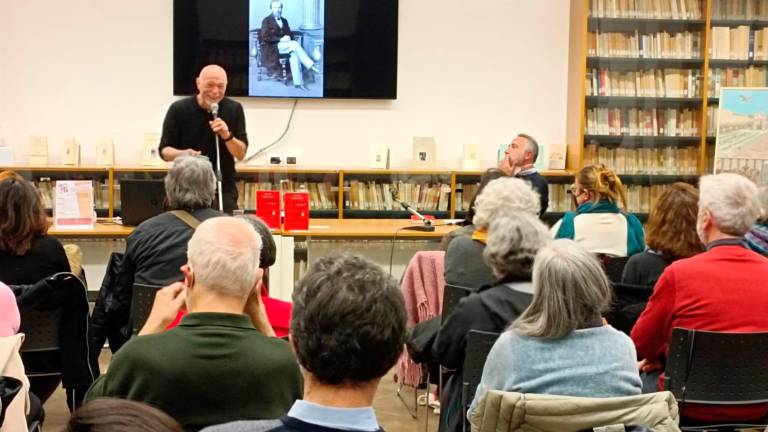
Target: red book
column 268, row 207
column 296, row 205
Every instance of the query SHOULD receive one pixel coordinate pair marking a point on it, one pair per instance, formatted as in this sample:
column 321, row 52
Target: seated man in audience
column 157, row 248
column 722, row 289
column 216, row 365
column 347, row 330
column 518, row 161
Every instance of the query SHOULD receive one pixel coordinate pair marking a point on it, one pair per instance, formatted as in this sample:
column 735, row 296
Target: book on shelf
column 150, row 155
column 105, row 152
column 296, row 205
column 712, row 119
column 379, row 156
column 644, row 83
column 424, row 149
column 750, row 76
column 739, row 10
column 322, row 194
column 739, row 43
column 655, row 45
column 471, row 160
column 373, row 195
column 38, row 149
column 556, row 156
column 649, row 9
column 667, row 160
column 267, row 203
column 668, row 122
column 71, row 153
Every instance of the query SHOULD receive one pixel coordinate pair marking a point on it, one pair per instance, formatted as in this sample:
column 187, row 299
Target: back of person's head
column 120, row 415
column 190, row 183
column 349, row 322
column 513, row 241
column 571, row 292
column 10, row 174
column 532, row 145
column 671, row 228
column 22, row 216
column 603, row 183
column 504, row 196
column 762, row 196
column 268, row 248
column 731, row 201
column 489, row 175
column 223, row 254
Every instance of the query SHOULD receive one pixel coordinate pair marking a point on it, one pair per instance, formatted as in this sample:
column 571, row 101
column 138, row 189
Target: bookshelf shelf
column 646, row 24
column 390, row 214
column 736, row 63
column 642, row 141
column 641, row 101
column 653, row 178
column 637, row 63
column 754, row 23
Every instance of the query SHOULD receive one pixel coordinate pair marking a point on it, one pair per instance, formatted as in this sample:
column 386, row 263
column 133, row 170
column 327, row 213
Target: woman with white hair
column 757, row 237
column 512, row 242
column 584, row 356
column 464, row 265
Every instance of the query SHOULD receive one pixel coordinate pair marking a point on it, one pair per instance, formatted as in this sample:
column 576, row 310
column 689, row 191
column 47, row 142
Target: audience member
column 513, row 240
column 467, row 227
column 518, row 161
column 598, row 224
column 216, row 365
column 347, row 330
column 722, row 289
column 9, row 312
column 464, row 265
column 157, row 248
column 757, row 237
column 670, row 235
column 560, row 344
column 120, row 415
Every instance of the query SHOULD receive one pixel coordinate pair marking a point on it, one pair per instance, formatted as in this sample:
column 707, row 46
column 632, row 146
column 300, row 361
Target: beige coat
column 508, row 412
column 10, row 363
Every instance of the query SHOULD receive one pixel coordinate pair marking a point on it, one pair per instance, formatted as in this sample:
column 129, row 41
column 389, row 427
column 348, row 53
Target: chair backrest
column 717, row 368
column 9, row 388
column 141, row 304
column 479, row 344
column 41, row 330
column 452, row 294
column 614, row 267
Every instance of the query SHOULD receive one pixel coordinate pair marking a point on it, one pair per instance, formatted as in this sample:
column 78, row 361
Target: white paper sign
column 73, row 205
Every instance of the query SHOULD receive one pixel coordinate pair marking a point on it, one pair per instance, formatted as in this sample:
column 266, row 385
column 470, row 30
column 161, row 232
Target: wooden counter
column 360, row 228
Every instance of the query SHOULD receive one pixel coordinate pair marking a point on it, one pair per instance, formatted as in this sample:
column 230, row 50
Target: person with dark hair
column 467, row 227
column 218, row 364
column 670, row 235
column 120, row 415
column 347, row 330
column 598, row 223
column 518, row 161
column 190, row 129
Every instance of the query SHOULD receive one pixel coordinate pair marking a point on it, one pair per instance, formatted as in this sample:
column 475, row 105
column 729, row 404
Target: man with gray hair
column 157, row 248
column 518, row 161
column 722, row 289
column 217, row 365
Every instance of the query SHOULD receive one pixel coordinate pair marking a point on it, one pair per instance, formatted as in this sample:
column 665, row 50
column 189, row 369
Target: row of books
column 640, row 198
column 648, row 82
column 372, row 195
column 100, row 193
column 322, row 195
column 681, row 45
column 752, row 76
column 739, row 43
column 642, row 122
column 663, row 9
column 464, row 194
column 740, row 9
column 644, row 160
column 712, row 114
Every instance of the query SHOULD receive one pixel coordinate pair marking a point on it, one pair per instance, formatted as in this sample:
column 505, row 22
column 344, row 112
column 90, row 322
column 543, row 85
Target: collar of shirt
column 279, row 22
column 196, row 319
column 523, row 287
column 358, row 419
column 726, row 242
column 525, row 172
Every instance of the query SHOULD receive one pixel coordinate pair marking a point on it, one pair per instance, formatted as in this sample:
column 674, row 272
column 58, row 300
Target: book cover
column 38, row 150
column 424, row 152
column 150, row 156
column 379, row 157
column 268, row 207
column 296, row 205
column 471, row 157
column 557, row 153
column 71, row 154
column 105, row 152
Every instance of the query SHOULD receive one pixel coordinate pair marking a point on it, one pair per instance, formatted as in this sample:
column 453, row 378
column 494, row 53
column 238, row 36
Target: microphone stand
column 427, row 227
column 218, row 173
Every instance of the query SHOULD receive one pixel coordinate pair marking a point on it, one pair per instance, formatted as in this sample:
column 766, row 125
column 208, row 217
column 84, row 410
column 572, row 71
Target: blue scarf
column 635, row 235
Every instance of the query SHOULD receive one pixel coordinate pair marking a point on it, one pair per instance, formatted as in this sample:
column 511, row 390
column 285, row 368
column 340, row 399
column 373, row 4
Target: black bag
column 421, row 339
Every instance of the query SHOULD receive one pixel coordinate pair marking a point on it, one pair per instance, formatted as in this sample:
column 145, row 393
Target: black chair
column 452, row 294
column 628, row 303
column 9, row 388
column 717, row 368
column 614, row 267
column 141, row 304
column 479, row 344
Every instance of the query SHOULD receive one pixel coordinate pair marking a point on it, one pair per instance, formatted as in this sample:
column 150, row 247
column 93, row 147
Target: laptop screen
column 141, row 200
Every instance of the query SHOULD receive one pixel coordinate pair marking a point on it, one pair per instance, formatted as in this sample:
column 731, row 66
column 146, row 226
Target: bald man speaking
column 190, row 128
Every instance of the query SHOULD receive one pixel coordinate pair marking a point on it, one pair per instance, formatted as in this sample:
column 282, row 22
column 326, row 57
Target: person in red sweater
column 722, row 289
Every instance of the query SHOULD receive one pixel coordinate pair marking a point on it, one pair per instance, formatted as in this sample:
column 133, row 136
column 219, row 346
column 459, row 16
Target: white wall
column 469, row 72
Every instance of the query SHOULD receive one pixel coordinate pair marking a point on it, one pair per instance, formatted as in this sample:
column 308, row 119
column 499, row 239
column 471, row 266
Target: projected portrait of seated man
column 276, row 38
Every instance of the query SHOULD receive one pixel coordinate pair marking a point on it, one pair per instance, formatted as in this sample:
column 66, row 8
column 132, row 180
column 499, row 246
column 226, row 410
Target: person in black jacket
column 276, row 38
column 518, row 161
column 513, row 241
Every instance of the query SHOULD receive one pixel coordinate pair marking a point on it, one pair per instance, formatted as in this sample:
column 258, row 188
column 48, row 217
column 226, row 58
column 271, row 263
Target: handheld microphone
column 215, row 110
column 407, row 207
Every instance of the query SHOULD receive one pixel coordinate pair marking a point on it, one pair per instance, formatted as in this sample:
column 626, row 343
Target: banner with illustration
column 742, row 133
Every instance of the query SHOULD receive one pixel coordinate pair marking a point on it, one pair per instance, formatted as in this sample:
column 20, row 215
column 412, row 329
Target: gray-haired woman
column 560, row 344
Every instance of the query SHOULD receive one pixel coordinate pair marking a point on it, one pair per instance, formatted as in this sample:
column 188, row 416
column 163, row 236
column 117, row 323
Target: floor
column 390, row 411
